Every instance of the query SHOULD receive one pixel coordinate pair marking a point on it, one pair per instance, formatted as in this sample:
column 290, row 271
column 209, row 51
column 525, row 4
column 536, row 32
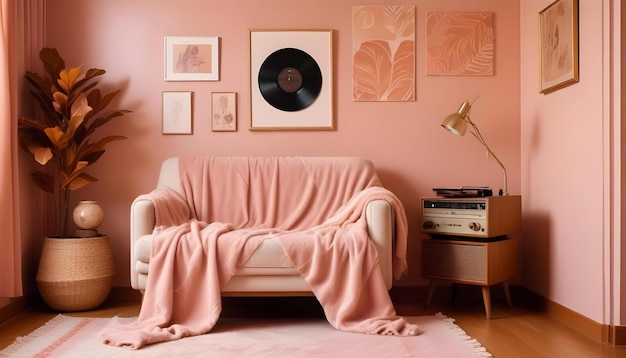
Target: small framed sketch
column 192, row 58
column 558, row 31
column 224, row 111
column 177, row 113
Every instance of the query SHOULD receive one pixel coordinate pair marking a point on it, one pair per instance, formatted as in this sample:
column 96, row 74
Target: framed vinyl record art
column 291, row 80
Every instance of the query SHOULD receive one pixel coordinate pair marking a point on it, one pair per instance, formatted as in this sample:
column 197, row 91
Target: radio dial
column 428, row 225
column 474, row 226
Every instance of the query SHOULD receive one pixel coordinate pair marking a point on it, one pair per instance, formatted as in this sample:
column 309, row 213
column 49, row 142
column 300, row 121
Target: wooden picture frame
column 177, row 116
column 193, row 58
column 558, row 35
column 224, row 111
column 317, row 111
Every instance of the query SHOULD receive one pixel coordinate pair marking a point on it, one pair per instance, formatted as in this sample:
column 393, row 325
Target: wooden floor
column 520, row 331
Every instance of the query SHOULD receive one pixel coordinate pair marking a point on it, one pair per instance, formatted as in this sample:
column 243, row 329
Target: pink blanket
column 316, row 213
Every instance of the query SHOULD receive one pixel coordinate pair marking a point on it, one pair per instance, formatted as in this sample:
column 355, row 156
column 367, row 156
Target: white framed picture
column 192, row 58
column 177, row 113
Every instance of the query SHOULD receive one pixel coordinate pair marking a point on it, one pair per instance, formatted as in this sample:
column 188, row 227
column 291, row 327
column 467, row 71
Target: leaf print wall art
column 459, row 43
column 383, row 53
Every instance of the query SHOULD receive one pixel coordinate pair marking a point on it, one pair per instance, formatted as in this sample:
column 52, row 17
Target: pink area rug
column 66, row 336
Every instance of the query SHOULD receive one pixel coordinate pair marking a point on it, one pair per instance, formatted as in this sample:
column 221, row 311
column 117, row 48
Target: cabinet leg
column 431, row 290
column 507, row 293
column 487, row 301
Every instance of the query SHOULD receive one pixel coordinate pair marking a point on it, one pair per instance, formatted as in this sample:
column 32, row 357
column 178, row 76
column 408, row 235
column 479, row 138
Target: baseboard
column 584, row 325
column 19, row 305
column 618, row 335
column 607, row 334
column 125, row 293
column 15, row 307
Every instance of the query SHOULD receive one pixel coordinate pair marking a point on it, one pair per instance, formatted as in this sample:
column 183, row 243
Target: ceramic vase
column 88, row 215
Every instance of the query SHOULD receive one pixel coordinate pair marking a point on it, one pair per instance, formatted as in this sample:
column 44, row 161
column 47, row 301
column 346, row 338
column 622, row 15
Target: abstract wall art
column 383, row 53
column 459, row 43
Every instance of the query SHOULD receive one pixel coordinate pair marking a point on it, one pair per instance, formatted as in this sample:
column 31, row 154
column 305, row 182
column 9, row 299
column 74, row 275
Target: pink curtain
column 10, row 252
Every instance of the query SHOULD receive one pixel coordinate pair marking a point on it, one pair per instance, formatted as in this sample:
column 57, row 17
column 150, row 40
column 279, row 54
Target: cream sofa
column 268, row 272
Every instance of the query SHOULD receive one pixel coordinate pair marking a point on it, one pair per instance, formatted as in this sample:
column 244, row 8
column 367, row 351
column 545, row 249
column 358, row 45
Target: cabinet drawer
column 442, row 260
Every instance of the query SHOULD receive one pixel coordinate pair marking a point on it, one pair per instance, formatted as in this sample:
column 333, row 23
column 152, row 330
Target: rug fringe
column 22, row 341
column 477, row 346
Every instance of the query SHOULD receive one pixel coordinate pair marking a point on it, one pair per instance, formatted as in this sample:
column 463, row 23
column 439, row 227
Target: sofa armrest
column 141, row 223
column 380, row 226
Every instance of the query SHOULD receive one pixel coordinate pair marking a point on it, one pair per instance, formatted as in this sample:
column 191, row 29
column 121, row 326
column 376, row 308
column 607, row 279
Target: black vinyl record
column 290, row 79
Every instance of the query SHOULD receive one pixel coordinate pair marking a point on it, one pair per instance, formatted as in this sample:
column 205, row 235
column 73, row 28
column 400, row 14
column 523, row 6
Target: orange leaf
column 372, row 68
column 80, row 181
column 68, row 78
column 60, row 101
column 57, row 137
column 80, row 108
column 75, row 171
column 402, row 87
column 42, row 154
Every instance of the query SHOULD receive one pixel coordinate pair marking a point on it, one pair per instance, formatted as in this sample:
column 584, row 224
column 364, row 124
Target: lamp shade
column 456, row 122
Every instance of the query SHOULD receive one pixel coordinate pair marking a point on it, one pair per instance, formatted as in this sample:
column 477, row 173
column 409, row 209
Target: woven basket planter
column 75, row 274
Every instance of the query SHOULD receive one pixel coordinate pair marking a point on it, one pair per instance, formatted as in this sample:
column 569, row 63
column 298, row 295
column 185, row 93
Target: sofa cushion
column 268, row 255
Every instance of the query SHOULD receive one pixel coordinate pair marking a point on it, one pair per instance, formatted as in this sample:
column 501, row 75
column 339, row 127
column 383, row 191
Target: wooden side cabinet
column 470, row 262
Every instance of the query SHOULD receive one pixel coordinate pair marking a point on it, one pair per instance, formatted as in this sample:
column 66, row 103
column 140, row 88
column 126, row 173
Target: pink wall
column 404, row 140
column 566, row 170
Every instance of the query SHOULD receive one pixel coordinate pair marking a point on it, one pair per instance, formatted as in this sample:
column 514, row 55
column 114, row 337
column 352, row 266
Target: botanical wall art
column 223, row 111
column 291, row 80
column 459, row 43
column 177, row 113
column 558, row 31
column 383, row 53
column 191, row 58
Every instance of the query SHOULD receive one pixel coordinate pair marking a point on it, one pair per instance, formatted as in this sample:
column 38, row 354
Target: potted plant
column 71, row 110
column 61, row 136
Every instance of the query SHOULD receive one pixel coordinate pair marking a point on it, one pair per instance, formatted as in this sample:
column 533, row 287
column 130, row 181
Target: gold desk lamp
column 456, row 123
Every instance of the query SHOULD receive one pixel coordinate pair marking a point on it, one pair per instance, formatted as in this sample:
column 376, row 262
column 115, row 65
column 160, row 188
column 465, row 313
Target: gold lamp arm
column 476, row 133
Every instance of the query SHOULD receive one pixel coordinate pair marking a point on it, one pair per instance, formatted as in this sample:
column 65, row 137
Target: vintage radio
column 488, row 217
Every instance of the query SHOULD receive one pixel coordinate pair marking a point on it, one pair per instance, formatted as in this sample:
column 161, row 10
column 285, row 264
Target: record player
column 464, row 192
column 471, row 213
